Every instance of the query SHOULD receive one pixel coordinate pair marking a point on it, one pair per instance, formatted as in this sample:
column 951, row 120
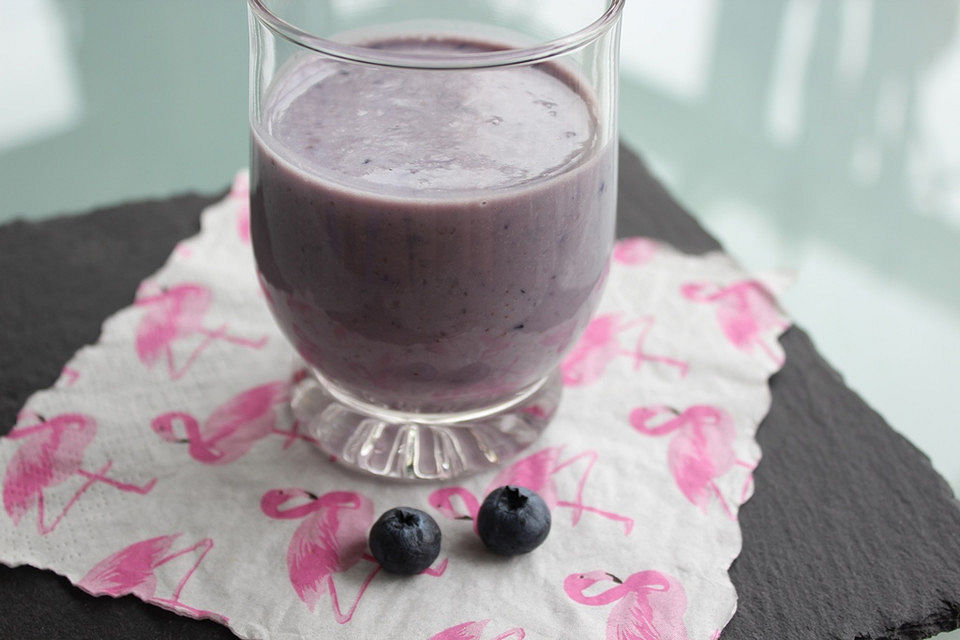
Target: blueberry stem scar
column 515, row 500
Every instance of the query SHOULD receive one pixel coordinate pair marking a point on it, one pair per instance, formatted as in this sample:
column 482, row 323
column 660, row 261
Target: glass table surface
column 813, row 137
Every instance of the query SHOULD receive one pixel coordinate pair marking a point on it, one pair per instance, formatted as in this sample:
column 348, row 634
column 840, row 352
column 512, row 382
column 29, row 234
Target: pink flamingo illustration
column 234, row 427
column 635, row 251
column 535, row 472
column 746, row 311
column 700, row 452
column 600, row 345
column 68, row 376
column 132, row 571
column 52, row 451
column 183, row 250
column 173, row 314
column 240, row 191
column 650, row 605
column 331, row 540
column 474, row 631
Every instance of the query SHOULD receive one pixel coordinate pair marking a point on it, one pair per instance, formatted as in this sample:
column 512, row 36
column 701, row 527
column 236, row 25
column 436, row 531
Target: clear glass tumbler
column 433, row 194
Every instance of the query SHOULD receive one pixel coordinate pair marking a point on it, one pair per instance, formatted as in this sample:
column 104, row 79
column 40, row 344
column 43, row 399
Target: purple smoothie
column 430, row 240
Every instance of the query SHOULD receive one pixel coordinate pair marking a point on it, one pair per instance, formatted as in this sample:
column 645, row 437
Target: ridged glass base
column 435, row 446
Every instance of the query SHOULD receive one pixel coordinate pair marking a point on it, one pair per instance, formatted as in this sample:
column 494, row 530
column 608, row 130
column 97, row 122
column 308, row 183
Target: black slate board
column 850, row 534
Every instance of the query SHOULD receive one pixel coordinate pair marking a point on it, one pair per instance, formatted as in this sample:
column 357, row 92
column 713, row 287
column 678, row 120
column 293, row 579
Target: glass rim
column 409, row 60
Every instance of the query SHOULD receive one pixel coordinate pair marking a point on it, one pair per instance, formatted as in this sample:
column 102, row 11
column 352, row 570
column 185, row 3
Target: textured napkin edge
column 784, row 280
column 774, row 283
column 75, row 583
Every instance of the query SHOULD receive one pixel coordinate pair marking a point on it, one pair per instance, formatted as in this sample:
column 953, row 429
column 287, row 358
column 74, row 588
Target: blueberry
column 405, row 540
column 513, row 520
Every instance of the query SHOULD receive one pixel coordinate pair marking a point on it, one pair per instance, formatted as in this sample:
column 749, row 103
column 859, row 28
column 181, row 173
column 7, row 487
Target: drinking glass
column 433, row 191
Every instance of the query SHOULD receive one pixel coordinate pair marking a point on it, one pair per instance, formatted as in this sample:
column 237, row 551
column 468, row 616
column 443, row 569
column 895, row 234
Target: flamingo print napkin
column 165, row 463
